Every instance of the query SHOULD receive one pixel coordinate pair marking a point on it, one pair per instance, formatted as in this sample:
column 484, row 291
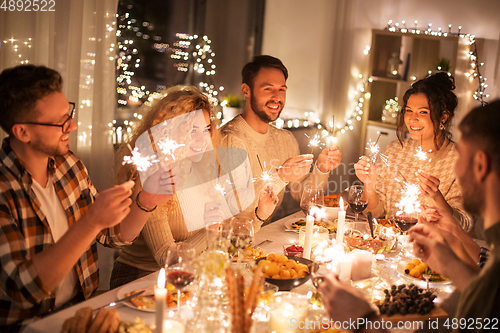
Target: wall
column 322, row 43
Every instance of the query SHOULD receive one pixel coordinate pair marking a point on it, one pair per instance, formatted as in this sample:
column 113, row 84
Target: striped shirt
column 24, row 232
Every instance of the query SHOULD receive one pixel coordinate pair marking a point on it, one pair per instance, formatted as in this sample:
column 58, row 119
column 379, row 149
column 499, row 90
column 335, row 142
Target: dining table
column 278, row 233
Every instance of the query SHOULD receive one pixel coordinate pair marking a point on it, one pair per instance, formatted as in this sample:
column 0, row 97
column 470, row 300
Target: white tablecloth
column 53, row 323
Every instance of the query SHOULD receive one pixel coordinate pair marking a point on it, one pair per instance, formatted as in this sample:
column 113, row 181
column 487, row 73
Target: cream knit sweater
column 403, row 159
column 273, row 148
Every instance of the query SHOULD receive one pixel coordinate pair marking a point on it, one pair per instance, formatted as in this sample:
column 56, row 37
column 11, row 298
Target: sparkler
column 373, row 148
column 220, row 188
column 409, row 203
column 168, row 146
column 141, row 162
column 266, row 175
column 315, row 141
column 421, row 155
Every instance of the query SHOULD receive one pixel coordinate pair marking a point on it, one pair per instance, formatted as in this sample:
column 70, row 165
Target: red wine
column 406, row 222
column 358, row 206
column 180, row 279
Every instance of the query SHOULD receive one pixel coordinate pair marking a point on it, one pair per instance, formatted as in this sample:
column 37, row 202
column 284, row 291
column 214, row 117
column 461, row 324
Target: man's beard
column 48, row 150
column 261, row 113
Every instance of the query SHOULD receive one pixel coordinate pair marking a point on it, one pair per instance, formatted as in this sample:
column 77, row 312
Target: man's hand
column 111, row 206
column 329, row 159
column 342, row 301
column 295, row 167
column 365, row 170
column 267, row 202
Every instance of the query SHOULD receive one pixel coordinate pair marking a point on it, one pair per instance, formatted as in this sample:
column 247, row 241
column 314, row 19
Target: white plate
column 421, row 283
column 135, row 286
column 138, row 286
column 288, row 223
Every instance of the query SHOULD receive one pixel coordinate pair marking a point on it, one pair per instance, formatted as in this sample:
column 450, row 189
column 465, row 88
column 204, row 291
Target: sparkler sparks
column 315, row 141
column 374, row 148
column 266, row 175
column 220, row 188
column 141, row 162
column 409, row 203
column 421, row 155
column 168, row 146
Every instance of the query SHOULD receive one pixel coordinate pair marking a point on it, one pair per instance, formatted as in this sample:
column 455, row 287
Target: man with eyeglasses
column 50, row 213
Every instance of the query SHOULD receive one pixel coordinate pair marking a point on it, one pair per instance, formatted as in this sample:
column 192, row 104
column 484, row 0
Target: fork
column 114, row 303
column 265, row 241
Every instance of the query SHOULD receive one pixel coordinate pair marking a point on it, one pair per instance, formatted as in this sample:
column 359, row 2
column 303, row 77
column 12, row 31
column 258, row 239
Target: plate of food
column 414, row 270
column 146, row 301
column 250, row 254
column 294, row 224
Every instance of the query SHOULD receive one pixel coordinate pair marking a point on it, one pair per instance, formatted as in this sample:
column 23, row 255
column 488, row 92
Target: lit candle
column 161, row 300
column 340, row 224
column 308, row 237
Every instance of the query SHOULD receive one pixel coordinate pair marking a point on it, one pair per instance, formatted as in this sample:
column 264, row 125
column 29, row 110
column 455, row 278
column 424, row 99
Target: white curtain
column 78, row 39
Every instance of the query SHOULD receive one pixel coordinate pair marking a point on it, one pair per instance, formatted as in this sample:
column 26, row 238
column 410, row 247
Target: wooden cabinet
column 420, row 55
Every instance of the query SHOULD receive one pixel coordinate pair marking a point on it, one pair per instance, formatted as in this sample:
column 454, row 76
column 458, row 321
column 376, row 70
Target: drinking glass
column 312, row 200
column 358, row 199
column 241, row 234
column 179, row 268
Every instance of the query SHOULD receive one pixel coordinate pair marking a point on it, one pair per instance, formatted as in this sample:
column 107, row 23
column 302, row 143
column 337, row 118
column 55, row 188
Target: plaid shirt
column 24, row 232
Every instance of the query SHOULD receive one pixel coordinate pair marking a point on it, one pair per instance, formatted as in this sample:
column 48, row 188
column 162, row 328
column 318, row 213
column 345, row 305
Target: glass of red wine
column 179, row 268
column 312, row 200
column 358, row 199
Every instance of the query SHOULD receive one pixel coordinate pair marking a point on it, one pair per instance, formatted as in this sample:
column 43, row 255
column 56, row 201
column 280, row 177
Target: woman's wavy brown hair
column 177, row 100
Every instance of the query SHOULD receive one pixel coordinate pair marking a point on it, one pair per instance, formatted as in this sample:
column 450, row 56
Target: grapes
column 405, row 299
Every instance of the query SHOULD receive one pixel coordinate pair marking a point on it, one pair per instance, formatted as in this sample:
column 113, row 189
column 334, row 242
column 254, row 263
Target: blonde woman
column 199, row 167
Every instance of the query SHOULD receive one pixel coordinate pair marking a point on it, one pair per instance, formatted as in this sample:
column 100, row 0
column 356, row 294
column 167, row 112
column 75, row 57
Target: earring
column 441, row 127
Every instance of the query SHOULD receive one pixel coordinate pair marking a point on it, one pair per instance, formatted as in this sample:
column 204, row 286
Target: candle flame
column 341, row 204
column 161, row 279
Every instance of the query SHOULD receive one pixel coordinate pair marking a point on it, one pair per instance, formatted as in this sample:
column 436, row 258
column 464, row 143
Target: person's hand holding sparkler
column 429, row 187
column 162, row 181
column 267, row 202
column 295, row 167
column 329, row 159
column 365, row 170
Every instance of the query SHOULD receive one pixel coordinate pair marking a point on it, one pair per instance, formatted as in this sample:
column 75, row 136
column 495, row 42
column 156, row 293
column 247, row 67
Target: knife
column 370, row 222
column 114, row 303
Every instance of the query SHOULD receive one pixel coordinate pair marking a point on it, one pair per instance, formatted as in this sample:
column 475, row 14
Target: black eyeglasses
column 64, row 126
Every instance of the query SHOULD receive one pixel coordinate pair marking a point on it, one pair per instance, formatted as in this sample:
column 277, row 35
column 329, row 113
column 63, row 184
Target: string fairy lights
column 473, row 73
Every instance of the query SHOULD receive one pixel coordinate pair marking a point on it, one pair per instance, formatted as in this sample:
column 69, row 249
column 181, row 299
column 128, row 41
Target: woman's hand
column 365, row 170
column 267, row 202
column 162, row 181
column 429, row 185
column 213, row 214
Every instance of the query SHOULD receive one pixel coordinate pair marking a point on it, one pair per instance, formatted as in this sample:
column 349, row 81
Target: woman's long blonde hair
column 177, row 100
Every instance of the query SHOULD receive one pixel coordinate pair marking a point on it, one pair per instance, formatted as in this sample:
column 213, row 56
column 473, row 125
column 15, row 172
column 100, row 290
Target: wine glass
column 179, row 268
column 358, row 199
column 241, row 234
column 405, row 223
column 312, row 200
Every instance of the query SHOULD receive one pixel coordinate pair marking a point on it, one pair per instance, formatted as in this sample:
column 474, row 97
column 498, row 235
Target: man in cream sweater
column 277, row 150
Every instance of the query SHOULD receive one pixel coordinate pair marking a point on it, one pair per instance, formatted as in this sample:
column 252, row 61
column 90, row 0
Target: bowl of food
column 331, row 213
column 293, row 250
column 357, row 235
column 286, row 272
